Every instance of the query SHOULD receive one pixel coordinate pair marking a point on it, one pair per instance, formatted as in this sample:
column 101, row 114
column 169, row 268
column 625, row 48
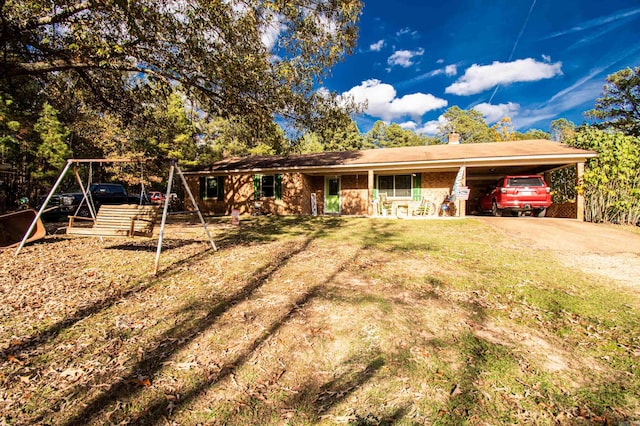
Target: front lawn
column 313, row 321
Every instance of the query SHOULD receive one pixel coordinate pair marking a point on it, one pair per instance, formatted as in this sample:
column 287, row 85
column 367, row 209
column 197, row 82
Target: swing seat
column 121, row 220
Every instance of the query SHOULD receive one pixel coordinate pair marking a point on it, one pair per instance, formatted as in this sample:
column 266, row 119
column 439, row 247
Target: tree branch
column 54, row 19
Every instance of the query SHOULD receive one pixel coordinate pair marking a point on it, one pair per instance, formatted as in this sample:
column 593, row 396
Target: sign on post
column 462, row 193
column 235, row 217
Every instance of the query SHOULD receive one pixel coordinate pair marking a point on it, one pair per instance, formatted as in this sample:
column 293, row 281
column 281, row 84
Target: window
column 267, row 186
column 525, row 181
column 334, row 186
column 395, row 185
column 212, row 187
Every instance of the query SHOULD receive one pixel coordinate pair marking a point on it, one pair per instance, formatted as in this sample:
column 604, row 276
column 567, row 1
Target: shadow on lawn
column 181, row 335
column 327, row 395
column 256, row 231
column 262, row 229
column 55, row 329
column 152, row 245
column 175, row 339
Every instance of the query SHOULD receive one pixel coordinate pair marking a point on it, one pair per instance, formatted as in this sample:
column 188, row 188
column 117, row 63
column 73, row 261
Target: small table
column 401, row 204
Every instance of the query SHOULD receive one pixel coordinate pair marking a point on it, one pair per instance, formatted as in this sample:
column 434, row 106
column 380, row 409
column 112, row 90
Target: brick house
column 355, row 182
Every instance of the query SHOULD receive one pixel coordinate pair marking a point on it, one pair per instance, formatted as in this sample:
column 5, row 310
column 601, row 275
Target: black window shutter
column 203, row 187
column 278, row 187
column 220, row 188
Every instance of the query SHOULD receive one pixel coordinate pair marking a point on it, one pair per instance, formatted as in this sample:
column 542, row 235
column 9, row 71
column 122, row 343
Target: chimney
column 454, row 138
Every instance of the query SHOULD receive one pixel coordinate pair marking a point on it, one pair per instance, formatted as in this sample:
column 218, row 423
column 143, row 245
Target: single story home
column 357, row 182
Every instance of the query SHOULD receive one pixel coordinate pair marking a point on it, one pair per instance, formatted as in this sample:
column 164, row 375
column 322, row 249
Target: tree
column 237, row 136
column 251, row 58
column 346, row 138
column 9, row 127
column 504, row 130
column 309, row 143
column 619, row 106
column 52, row 151
column 384, row 135
column 611, row 180
column 562, row 129
column 469, row 124
column 532, row 134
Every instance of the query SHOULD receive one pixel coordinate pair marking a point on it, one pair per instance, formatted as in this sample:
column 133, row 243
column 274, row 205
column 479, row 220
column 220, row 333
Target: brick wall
column 436, row 186
column 355, row 195
column 238, row 191
column 297, row 189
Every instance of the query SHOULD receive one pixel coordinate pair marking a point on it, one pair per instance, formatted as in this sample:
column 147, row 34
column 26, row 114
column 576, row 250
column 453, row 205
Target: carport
column 485, row 163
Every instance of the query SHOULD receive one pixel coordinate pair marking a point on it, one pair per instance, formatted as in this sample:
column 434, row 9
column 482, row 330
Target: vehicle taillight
column 548, row 189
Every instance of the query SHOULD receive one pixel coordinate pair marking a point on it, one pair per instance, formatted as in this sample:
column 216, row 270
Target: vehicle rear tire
column 540, row 212
column 495, row 210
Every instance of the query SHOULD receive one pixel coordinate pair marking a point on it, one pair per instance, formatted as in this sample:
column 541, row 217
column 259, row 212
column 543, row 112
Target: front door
column 332, row 195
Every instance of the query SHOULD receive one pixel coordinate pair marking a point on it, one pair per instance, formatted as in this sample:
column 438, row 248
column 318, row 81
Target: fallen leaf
column 72, row 374
column 140, row 381
column 186, row 365
column 12, row 358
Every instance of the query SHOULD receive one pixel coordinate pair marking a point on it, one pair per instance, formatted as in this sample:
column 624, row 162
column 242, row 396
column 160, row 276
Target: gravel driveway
column 607, row 250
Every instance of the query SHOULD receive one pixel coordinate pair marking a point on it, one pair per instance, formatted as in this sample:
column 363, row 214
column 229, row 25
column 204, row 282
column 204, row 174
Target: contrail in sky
column 515, row 45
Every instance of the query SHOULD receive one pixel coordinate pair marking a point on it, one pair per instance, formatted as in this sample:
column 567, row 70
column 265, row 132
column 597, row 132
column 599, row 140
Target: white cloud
column 577, row 96
column 546, row 58
column 404, row 58
column 431, row 127
column 493, row 113
column 598, row 22
column 270, row 34
column 382, row 101
column 377, row 46
column 410, row 125
column 406, row 31
column 479, row 78
column 451, row 70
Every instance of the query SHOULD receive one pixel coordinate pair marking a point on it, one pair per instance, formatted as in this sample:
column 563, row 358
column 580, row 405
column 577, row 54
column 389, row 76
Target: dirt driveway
column 607, row 250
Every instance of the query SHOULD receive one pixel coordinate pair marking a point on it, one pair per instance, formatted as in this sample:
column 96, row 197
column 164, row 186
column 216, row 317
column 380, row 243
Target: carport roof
column 498, row 154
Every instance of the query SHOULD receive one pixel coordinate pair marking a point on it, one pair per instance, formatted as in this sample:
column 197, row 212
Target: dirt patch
column 606, row 250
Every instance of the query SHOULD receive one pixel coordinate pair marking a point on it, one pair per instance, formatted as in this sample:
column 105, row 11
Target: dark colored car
column 67, row 204
column 520, row 195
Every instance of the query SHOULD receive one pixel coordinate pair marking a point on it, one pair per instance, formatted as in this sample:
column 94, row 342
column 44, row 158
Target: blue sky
column 531, row 60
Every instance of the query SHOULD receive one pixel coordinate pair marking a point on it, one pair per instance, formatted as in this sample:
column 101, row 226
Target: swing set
column 117, row 220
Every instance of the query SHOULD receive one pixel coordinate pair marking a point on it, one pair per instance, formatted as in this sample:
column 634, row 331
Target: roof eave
column 558, row 159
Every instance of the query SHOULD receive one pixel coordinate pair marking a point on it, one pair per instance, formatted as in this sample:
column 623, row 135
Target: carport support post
column 580, row 192
column 461, row 206
column 370, row 181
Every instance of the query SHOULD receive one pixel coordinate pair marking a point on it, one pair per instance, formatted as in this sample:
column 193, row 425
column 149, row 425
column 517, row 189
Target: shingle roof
column 423, row 156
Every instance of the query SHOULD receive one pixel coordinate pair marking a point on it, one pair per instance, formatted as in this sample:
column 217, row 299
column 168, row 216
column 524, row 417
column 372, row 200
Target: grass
column 307, row 321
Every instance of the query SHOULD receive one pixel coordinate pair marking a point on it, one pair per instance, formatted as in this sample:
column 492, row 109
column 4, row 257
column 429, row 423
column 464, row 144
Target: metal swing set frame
column 173, row 169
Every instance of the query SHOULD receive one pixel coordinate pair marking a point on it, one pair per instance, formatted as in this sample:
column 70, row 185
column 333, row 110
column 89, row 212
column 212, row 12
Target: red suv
column 521, row 195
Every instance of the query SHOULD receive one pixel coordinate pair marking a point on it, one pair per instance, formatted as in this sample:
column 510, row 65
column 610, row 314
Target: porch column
column 461, row 205
column 370, row 181
column 580, row 193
